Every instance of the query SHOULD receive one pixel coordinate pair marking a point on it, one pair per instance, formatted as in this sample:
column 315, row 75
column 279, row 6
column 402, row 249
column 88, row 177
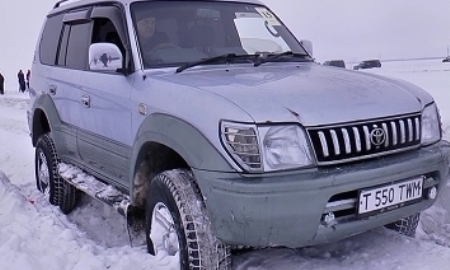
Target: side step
column 108, row 194
column 94, row 188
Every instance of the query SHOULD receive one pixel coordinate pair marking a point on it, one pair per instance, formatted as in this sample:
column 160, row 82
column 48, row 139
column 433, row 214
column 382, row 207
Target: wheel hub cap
column 163, row 233
column 43, row 173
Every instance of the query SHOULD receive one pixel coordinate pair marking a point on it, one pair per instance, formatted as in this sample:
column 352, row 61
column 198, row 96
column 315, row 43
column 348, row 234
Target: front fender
column 183, row 138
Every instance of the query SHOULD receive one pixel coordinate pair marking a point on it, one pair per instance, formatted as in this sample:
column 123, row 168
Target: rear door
column 63, row 73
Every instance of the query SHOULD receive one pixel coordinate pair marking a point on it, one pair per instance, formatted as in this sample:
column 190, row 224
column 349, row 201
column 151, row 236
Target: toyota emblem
column 377, row 136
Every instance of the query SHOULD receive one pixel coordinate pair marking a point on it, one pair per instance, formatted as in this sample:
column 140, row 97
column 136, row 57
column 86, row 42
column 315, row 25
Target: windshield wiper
column 275, row 56
column 221, row 58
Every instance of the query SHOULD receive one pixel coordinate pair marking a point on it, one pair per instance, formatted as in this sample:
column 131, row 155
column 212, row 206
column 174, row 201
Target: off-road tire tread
column 205, row 251
column 406, row 226
column 62, row 193
column 45, row 143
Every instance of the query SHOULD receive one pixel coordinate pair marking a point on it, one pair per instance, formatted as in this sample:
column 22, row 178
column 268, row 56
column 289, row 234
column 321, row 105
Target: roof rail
column 59, row 3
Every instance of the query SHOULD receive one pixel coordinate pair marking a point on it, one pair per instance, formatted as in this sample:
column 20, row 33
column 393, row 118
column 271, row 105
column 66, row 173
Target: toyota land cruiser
column 212, row 124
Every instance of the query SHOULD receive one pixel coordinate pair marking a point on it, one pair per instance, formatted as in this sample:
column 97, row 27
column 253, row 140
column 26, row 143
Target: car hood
column 307, row 93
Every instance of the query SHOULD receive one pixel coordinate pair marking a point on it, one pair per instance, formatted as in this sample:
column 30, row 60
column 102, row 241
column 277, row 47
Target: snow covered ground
column 35, row 235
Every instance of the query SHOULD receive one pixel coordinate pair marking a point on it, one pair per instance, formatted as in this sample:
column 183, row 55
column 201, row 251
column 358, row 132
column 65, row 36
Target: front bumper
column 287, row 209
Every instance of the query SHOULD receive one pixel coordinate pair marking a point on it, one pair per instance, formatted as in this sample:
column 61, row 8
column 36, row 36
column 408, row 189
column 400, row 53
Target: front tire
column 48, row 180
column 177, row 223
column 406, row 226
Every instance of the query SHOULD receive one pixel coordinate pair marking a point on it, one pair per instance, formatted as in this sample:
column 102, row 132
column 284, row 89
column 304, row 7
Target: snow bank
column 34, row 235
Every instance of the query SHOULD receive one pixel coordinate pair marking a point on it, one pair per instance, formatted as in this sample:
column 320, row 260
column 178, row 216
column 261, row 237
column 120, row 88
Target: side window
column 105, row 31
column 50, row 40
column 78, row 46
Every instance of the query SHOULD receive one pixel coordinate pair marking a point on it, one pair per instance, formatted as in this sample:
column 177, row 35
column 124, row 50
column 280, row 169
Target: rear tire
column 176, row 199
column 406, row 226
column 48, row 180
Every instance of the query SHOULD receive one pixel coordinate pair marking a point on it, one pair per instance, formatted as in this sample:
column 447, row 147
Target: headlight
column 267, row 148
column 431, row 125
column 241, row 142
column 285, row 147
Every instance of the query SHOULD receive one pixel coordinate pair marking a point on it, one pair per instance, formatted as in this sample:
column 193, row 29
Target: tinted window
column 50, row 39
column 78, row 46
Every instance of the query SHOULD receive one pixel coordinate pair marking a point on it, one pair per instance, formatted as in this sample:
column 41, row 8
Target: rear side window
column 50, row 39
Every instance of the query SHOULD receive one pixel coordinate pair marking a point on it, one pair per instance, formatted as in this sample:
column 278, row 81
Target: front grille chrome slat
column 402, row 132
column 386, row 131
column 367, row 138
column 337, row 149
column 356, row 141
column 324, row 144
column 417, row 125
column 410, row 130
column 394, row 133
column 347, row 143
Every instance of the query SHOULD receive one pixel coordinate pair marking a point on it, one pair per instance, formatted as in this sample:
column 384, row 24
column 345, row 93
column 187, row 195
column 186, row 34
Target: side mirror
column 105, row 57
column 307, row 45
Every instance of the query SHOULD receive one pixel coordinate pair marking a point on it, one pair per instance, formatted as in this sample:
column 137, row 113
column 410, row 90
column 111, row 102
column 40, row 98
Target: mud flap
column 136, row 226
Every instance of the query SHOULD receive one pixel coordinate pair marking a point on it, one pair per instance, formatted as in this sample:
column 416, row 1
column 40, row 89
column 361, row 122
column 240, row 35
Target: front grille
column 347, row 142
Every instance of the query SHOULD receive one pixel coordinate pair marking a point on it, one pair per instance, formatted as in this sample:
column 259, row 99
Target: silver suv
column 210, row 123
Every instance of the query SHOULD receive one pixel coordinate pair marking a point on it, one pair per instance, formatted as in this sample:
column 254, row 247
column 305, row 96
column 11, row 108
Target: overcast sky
column 352, row 30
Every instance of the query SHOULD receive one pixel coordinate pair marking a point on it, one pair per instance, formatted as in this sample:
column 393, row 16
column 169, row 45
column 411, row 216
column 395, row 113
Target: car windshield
column 174, row 33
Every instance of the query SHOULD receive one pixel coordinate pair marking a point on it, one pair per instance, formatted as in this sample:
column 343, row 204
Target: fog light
column 432, row 193
column 329, row 218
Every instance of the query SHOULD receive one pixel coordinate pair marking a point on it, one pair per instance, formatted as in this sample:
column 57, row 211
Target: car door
column 104, row 138
column 63, row 79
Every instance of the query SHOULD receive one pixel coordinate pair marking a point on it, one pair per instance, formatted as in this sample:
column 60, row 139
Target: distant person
column 28, row 78
column 2, row 85
column 21, row 78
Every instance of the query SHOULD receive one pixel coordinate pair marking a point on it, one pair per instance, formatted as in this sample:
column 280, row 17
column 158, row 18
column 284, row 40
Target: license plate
column 389, row 197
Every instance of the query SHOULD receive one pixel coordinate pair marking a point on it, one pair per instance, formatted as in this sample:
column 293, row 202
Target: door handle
column 86, row 101
column 52, row 89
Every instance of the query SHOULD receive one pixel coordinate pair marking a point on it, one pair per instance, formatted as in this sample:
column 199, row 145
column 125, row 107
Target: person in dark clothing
column 2, row 85
column 21, row 78
column 28, row 78
column 148, row 36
